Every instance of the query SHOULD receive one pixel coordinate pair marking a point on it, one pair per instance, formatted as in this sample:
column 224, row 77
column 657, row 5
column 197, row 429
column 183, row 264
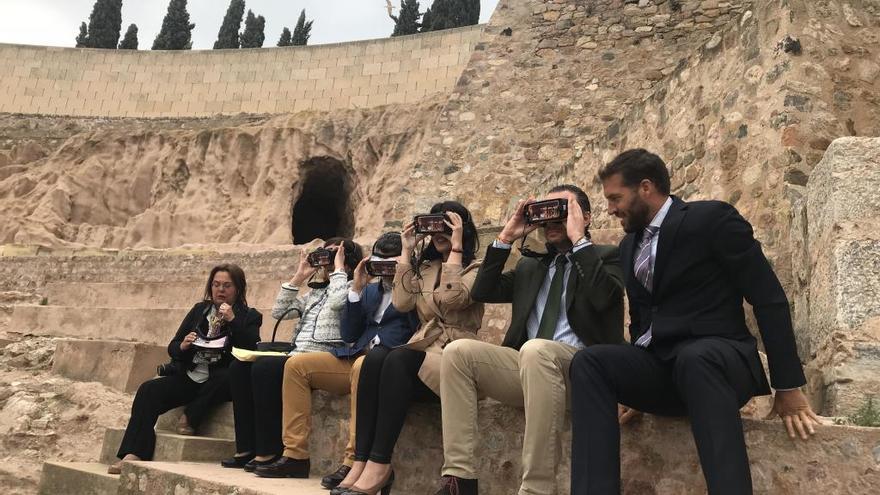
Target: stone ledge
column 77, row 477
column 171, row 447
column 161, row 478
column 154, row 326
column 121, row 365
column 658, row 454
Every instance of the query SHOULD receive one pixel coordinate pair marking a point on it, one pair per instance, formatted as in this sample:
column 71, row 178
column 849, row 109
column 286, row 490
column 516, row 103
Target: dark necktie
column 547, row 327
column 643, row 267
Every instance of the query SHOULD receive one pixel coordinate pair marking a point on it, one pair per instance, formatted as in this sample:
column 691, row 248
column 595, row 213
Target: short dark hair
column 353, row 253
column 388, row 244
column 579, row 195
column 636, row 165
column 238, row 280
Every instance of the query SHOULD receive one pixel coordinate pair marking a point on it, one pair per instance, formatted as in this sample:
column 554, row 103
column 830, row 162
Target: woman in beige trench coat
column 437, row 284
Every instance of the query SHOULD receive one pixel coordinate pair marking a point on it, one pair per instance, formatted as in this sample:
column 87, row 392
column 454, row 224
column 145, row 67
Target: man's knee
column 588, row 364
column 538, row 352
column 697, row 357
column 462, row 351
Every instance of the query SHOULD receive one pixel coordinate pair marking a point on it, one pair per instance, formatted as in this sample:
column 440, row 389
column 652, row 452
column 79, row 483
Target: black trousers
column 159, row 395
column 256, row 404
column 708, row 381
column 389, row 383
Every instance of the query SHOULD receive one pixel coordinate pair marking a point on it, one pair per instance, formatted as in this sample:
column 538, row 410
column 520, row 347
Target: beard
column 637, row 216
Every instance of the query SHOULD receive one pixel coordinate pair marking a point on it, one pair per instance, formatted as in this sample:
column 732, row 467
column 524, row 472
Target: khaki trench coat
column 442, row 299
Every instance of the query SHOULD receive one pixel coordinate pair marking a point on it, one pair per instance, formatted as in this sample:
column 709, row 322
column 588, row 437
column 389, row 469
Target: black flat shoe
column 333, row 480
column 285, row 467
column 236, row 462
column 254, row 464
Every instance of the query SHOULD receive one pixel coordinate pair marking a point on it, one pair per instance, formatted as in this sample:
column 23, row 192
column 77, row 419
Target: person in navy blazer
column 373, row 326
column 688, row 267
column 359, row 325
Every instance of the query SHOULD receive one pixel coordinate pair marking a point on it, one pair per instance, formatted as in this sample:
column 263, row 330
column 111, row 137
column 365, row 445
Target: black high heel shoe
column 384, row 490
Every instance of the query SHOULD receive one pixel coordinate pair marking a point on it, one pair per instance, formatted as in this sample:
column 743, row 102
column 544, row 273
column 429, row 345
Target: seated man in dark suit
column 567, row 299
column 687, row 268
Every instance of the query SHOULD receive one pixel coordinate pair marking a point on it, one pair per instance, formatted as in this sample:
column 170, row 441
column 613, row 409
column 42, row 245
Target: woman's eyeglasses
column 221, row 285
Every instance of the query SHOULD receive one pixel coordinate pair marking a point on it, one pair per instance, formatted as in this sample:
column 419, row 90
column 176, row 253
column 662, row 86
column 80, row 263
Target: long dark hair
column 470, row 241
column 238, row 280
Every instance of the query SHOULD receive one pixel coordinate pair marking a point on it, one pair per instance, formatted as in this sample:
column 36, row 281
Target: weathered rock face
column 843, row 253
column 163, row 188
column 738, row 113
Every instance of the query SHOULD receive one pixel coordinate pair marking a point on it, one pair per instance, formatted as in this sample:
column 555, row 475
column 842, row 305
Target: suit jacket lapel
column 668, row 231
column 537, row 275
column 571, row 286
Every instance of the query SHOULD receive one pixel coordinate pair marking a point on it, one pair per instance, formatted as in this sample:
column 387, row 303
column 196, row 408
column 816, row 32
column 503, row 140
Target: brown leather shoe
column 115, row 468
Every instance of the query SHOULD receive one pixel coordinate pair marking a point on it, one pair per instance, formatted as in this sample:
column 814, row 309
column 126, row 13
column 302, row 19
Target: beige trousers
column 534, row 378
column 315, row 371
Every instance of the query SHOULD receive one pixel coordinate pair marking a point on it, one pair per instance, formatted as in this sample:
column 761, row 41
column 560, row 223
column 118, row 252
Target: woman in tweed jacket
column 256, row 386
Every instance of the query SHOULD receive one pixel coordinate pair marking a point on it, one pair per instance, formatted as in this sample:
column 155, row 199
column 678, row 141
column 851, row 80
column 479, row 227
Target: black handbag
column 273, row 346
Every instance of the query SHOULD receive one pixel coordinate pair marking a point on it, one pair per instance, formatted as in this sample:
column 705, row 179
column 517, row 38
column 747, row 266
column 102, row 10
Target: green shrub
column 867, row 415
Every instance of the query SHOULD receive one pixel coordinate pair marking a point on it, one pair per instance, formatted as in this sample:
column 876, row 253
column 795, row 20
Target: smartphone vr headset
column 379, row 267
column 321, row 257
column 434, row 223
column 551, row 210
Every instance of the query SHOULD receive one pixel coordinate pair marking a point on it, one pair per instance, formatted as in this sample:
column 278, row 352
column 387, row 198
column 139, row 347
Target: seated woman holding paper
column 256, row 385
column 200, row 351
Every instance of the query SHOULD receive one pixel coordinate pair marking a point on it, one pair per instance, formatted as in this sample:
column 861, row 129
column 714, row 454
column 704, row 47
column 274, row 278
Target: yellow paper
column 248, row 356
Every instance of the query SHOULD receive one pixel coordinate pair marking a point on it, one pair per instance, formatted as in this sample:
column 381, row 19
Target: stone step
column 81, row 478
column 171, row 447
column 839, row 459
column 261, row 294
column 161, row 478
column 121, row 365
column 218, row 424
column 145, row 325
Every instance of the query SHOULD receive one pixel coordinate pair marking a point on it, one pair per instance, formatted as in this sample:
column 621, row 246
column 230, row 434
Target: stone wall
column 842, row 259
column 122, row 83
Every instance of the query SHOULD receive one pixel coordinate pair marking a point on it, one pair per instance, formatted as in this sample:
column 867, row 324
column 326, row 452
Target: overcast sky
column 56, row 22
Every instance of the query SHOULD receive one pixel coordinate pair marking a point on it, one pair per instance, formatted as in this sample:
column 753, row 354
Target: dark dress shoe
column 333, row 480
column 285, row 467
column 254, row 464
column 236, row 462
column 453, row 485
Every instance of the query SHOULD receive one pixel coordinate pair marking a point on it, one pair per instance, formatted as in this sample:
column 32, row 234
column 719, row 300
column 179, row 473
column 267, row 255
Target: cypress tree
column 105, row 22
column 407, row 22
column 303, row 30
column 176, row 32
column 130, row 41
column 253, row 35
column 228, row 35
column 286, row 38
column 448, row 14
column 427, row 21
column 82, row 41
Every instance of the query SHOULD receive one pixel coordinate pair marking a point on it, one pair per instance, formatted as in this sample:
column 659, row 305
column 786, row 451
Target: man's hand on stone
column 794, row 409
column 625, row 414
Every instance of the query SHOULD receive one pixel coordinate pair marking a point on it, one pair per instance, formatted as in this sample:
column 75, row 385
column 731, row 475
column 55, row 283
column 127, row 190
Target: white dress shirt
column 563, row 332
